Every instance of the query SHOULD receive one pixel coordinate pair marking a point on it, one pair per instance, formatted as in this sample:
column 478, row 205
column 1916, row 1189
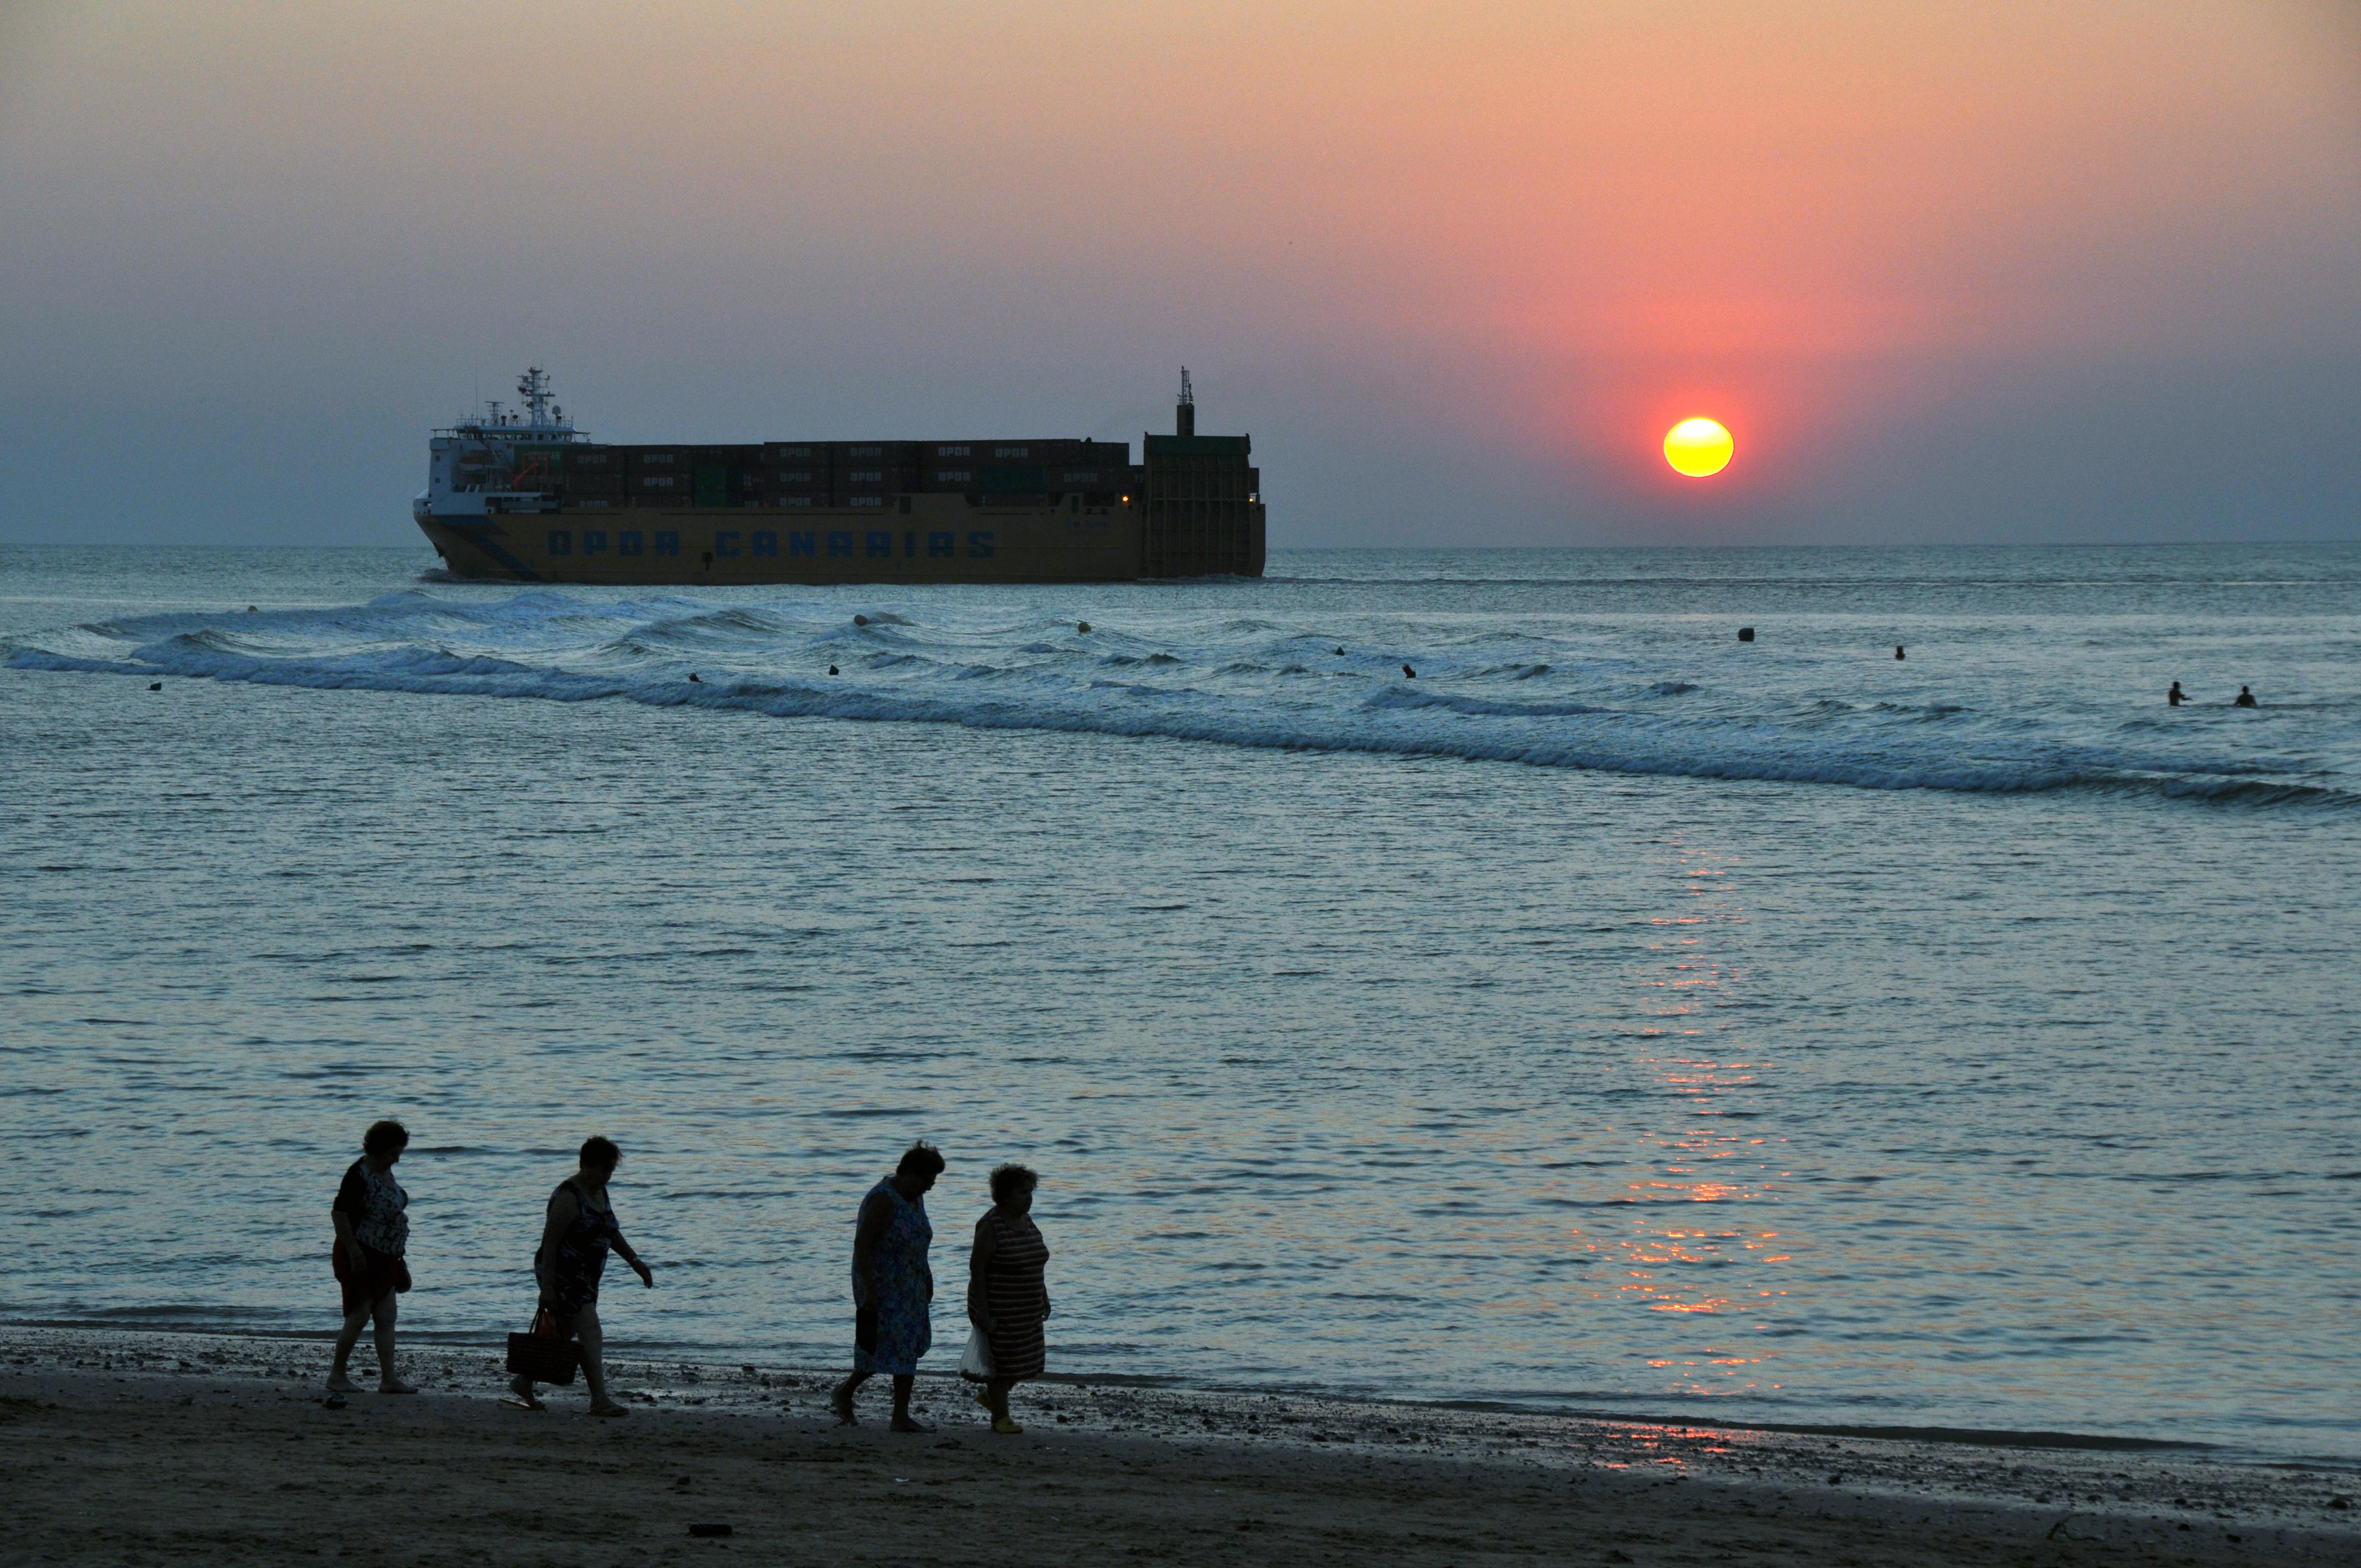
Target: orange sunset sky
column 1947, row 271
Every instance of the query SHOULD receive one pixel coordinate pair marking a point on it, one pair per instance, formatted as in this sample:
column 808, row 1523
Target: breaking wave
column 1515, row 696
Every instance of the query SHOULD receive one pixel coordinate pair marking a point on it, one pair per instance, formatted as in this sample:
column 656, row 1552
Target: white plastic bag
column 976, row 1364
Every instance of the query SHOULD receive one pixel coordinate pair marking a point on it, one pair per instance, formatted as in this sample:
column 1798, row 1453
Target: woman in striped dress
column 1005, row 1296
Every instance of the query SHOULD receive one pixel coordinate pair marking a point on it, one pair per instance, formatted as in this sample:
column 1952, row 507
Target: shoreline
column 67, row 1387
column 1919, row 1432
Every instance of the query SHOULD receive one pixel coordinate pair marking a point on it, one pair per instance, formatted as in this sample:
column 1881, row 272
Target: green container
column 716, row 485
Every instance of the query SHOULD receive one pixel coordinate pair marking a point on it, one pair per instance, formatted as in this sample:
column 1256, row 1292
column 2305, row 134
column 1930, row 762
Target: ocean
column 1614, row 1017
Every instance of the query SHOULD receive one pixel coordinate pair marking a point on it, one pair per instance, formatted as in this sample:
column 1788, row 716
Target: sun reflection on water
column 1677, row 1263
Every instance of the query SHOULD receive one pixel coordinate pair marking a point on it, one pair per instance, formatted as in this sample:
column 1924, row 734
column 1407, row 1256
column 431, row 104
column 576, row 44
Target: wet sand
column 156, row 1447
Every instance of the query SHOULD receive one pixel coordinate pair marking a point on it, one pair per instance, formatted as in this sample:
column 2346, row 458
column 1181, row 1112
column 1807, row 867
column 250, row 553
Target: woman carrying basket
column 1006, row 1298
column 575, row 1241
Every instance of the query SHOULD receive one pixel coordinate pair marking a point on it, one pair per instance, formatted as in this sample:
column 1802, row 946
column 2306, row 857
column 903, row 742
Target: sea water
column 1612, row 1014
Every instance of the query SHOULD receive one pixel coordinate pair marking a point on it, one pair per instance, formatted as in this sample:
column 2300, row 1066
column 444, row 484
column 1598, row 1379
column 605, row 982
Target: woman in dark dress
column 372, row 1233
column 575, row 1240
column 1006, row 1297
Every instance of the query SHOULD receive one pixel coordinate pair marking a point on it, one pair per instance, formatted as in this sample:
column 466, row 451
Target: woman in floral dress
column 892, row 1284
column 372, row 1232
column 578, row 1232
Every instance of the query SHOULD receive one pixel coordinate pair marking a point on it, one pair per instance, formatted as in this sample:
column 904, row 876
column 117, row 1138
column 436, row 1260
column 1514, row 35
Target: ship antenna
column 533, row 388
column 1185, row 414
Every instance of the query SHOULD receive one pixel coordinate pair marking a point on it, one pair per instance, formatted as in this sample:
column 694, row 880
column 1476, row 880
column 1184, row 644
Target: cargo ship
column 518, row 494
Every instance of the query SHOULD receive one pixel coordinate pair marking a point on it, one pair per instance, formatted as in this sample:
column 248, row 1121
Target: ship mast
column 533, row 388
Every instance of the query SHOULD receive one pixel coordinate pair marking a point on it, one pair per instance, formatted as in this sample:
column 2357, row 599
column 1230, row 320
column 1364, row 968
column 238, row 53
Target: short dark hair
column 385, row 1137
column 600, row 1154
column 921, row 1158
column 1010, row 1180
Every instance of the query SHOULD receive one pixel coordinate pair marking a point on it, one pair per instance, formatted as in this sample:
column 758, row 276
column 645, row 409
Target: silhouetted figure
column 2173, row 697
column 372, row 1232
column 579, row 1231
column 1409, row 671
column 1897, row 650
column 1006, row 1297
column 2245, row 700
column 892, row 1284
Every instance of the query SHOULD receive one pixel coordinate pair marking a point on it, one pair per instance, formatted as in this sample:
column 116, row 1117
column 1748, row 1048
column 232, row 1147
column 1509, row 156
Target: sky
column 1949, row 270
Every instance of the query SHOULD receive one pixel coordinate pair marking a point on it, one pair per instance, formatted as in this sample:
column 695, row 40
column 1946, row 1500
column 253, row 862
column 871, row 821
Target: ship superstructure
column 519, row 493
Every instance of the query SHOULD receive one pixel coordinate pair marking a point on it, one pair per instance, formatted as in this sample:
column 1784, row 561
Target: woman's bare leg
column 903, row 1421
column 842, row 1400
column 339, row 1380
column 594, row 1360
column 384, row 1309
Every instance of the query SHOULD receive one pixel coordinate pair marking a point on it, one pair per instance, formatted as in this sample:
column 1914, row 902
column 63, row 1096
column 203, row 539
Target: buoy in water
column 831, row 669
column 692, row 675
column 1081, row 626
column 860, row 621
column 155, row 686
column 1746, row 635
column 1897, row 650
column 1339, row 653
column 1410, row 672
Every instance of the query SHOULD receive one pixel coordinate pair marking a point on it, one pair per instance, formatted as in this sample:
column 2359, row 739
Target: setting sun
column 1697, row 448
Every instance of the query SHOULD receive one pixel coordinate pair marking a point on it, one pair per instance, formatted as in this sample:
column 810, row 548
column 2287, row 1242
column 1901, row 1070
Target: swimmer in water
column 2174, row 697
column 2245, row 700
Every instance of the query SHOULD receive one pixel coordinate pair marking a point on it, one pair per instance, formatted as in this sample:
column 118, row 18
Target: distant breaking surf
column 1585, row 699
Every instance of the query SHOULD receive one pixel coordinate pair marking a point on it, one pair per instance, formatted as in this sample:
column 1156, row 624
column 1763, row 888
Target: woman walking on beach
column 1006, row 1297
column 892, row 1284
column 372, row 1232
column 575, row 1240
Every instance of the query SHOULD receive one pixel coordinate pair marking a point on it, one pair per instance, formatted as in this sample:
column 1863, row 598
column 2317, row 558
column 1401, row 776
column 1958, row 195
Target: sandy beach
column 149, row 1447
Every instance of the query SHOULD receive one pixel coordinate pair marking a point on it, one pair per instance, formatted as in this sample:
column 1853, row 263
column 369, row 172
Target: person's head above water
column 1012, row 1188
column 385, row 1141
column 600, row 1154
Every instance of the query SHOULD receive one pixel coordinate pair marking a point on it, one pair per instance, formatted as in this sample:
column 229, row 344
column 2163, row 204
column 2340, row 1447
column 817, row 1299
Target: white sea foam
column 1588, row 696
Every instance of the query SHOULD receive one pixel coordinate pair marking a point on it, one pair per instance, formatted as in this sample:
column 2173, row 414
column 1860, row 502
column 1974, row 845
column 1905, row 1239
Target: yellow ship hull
column 938, row 538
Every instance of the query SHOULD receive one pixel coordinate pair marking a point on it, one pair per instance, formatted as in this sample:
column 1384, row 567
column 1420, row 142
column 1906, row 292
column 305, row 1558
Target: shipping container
column 873, row 454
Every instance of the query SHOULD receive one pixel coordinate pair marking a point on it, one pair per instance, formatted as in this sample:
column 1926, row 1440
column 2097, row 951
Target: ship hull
column 940, row 539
